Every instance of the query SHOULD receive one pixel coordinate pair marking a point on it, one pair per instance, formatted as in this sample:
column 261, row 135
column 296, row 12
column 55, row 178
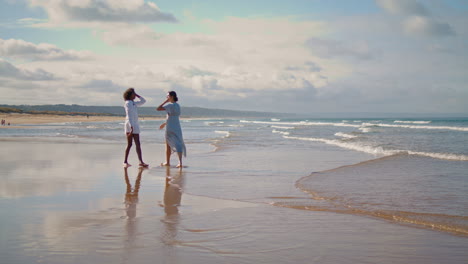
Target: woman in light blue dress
column 174, row 138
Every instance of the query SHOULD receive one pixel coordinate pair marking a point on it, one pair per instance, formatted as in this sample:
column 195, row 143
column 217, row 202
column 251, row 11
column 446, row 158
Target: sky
column 296, row 56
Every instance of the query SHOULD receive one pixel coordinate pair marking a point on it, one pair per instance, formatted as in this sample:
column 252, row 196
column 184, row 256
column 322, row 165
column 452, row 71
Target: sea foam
column 377, row 150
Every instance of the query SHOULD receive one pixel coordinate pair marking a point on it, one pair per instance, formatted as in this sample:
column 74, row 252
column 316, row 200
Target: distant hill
column 74, row 109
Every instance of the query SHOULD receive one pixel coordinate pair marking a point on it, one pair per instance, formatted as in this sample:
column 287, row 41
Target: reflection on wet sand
column 131, row 201
column 171, row 202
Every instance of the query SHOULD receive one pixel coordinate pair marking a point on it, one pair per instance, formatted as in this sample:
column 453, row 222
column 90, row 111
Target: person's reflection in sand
column 131, row 201
column 172, row 198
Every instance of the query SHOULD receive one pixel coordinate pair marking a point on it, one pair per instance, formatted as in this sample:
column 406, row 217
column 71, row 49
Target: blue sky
column 287, row 56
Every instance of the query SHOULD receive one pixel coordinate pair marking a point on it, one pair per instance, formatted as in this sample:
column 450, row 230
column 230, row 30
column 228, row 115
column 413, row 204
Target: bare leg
column 136, row 137
column 180, row 159
column 127, row 150
column 168, row 155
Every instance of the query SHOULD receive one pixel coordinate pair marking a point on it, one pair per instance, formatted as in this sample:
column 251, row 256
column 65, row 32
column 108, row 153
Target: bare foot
column 165, row 164
column 143, row 165
column 179, row 166
column 126, row 165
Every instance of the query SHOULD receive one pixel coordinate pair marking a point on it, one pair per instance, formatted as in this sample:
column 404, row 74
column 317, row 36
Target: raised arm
column 161, row 106
column 141, row 102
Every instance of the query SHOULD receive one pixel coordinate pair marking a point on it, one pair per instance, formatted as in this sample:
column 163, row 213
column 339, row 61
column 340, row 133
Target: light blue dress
column 173, row 130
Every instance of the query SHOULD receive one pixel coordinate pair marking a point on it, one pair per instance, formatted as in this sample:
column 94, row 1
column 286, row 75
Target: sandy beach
column 68, row 201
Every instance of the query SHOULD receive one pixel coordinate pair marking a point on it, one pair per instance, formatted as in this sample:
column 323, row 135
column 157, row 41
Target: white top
column 131, row 112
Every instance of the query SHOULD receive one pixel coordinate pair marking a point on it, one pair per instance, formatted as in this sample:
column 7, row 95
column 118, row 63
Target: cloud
column 106, row 86
column 17, row 48
column 327, row 48
column 134, row 11
column 194, row 71
column 405, row 7
column 428, row 27
column 8, row 70
column 308, row 66
column 417, row 19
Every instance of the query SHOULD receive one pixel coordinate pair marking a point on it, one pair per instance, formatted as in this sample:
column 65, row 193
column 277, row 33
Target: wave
column 365, row 129
column 282, row 127
column 412, row 122
column 377, row 150
column 444, row 156
column 301, row 123
column 418, row 127
column 213, row 123
column 363, row 126
column 225, row 133
column 344, row 135
column 280, row 132
column 275, row 119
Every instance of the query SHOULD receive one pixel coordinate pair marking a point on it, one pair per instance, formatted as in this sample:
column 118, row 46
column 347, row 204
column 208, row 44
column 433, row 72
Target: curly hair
column 128, row 94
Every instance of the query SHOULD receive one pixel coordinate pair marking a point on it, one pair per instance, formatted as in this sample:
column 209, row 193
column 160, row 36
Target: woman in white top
column 174, row 138
column 132, row 128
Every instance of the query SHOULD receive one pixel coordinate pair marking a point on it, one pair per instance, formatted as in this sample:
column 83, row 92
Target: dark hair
column 128, row 94
column 174, row 95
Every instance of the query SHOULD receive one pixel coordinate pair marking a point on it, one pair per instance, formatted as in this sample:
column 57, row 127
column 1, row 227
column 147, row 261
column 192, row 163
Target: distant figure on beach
column 174, row 139
column 132, row 128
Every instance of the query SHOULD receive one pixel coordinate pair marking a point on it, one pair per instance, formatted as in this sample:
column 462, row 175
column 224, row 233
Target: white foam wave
column 225, row 133
column 445, row 156
column 365, row 129
column 344, row 135
column 412, row 122
column 302, row 123
column 381, row 151
column 419, row 127
column 348, row 145
column 361, row 126
column 275, row 119
column 280, row 132
column 213, row 123
column 282, row 127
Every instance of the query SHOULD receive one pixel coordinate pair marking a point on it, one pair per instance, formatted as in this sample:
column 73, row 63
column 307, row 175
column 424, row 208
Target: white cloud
column 405, row 7
column 427, row 27
column 417, row 18
column 17, row 48
column 107, row 86
column 134, row 11
column 331, row 48
column 8, row 70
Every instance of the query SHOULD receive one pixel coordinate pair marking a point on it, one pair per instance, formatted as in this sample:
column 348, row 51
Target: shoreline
column 19, row 120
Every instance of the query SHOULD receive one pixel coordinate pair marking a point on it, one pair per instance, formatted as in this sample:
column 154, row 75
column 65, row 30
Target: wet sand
column 74, row 203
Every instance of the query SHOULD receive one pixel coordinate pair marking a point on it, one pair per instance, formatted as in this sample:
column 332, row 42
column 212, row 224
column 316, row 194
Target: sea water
column 405, row 171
